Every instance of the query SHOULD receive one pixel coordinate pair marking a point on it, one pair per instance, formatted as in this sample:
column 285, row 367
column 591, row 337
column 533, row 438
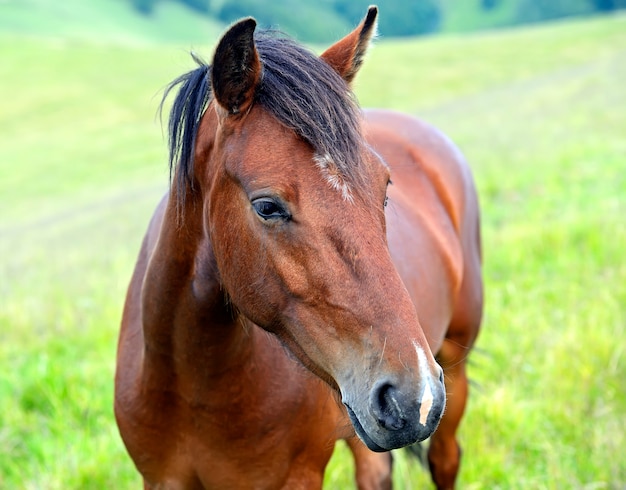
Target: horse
column 312, row 274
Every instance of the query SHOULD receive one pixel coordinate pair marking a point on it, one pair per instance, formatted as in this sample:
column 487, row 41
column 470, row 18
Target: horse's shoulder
column 154, row 227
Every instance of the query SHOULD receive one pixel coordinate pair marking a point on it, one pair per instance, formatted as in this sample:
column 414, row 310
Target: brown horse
column 275, row 306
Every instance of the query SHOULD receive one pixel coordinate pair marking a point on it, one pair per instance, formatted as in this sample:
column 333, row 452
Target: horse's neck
column 186, row 320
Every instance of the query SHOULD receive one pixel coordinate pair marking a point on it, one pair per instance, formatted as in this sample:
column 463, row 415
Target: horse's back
column 432, row 220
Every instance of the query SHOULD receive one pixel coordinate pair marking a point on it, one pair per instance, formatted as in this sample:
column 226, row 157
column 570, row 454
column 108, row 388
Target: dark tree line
column 318, row 21
column 147, row 6
column 324, row 20
column 539, row 10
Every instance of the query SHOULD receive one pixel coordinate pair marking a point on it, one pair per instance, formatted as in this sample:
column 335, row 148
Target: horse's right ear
column 236, row 68
column 346, row 55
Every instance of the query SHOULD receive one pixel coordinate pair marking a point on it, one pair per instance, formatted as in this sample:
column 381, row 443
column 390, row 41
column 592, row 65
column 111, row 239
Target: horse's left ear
column 236, row 68
column 346, row 55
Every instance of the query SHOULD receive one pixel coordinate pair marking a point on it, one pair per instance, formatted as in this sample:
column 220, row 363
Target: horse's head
column 294, row 207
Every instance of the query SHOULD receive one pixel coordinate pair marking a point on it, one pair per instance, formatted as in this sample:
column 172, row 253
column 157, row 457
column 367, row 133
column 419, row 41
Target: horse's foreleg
column 373, row 470
column 444, row 453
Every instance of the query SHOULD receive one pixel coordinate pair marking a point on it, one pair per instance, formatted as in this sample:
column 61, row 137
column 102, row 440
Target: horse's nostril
column 386, row 408
column 441, row 376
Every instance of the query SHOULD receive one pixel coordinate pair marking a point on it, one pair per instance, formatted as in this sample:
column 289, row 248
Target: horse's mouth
column 361, row 432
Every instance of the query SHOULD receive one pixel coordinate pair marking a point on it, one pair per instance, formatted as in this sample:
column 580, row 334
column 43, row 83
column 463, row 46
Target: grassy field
column 540, row 113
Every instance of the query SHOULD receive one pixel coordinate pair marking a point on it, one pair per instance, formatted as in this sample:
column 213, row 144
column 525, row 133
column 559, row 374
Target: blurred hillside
column 107, row 21
column 320, row 22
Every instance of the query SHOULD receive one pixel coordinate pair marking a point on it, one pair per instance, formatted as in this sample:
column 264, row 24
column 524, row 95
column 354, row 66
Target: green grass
column 540, row 114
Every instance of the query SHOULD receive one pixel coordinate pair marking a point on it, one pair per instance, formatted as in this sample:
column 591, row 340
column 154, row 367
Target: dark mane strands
column 298, row 88
column 186, row 112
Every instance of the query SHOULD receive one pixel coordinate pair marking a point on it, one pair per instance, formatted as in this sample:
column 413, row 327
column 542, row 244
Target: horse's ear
column 236, row 68
column 346, row 55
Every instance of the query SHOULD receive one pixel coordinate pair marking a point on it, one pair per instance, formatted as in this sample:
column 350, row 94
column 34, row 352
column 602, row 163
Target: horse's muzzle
column 395, row 418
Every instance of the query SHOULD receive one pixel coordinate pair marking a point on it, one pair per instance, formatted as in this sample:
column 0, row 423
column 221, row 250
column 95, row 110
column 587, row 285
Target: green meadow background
column 539, row 111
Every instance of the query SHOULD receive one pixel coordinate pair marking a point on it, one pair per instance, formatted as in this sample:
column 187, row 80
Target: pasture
column 540, row 114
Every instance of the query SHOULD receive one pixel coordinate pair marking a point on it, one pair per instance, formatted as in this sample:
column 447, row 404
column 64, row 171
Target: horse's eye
column 269, row 209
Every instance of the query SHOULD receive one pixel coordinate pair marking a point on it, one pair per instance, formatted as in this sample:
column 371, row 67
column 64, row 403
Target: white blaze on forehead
column 332, row 175
column 426, row 402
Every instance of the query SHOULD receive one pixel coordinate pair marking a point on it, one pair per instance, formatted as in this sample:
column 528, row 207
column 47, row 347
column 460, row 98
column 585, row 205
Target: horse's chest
column 260, row 427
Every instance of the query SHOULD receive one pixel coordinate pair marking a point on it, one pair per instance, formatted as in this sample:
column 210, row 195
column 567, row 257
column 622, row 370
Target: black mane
column 297, row 87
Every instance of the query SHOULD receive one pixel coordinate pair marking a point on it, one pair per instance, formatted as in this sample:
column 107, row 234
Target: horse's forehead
column 267, row 142
column 261, row 124
column 270, row 150
column 262, row 153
